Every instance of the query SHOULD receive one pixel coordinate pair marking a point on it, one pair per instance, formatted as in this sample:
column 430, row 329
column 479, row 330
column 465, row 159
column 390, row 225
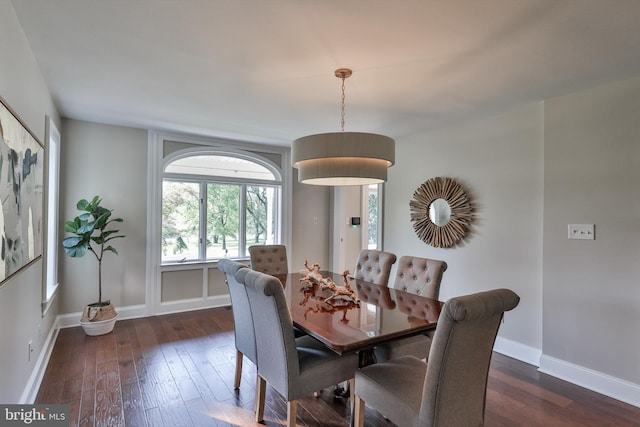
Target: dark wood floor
column 177, row 370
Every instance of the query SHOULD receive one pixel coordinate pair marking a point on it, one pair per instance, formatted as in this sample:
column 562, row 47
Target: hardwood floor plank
column 154, row 418
column 200, row 414
column 530, row 389
column 133, row 405
column 108, row 395
column 175, row 414
column 178, row 370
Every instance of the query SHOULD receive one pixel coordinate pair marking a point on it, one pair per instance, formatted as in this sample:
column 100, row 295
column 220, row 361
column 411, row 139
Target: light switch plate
column 582, row 232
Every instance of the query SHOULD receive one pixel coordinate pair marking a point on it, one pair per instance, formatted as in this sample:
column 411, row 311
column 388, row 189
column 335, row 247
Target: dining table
column 374, row 314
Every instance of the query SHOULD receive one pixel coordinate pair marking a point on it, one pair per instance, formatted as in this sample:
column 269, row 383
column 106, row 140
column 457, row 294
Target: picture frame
column 22, row 160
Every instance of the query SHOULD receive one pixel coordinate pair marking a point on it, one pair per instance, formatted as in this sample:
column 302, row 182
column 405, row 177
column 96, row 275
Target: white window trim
column 155, row 168
column 50, row 283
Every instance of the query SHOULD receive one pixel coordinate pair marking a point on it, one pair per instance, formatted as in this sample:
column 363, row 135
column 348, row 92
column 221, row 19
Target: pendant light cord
column 342, row 112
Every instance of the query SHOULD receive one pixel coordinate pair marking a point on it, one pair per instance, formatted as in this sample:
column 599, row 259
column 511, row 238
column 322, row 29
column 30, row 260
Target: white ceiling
column 262, row 70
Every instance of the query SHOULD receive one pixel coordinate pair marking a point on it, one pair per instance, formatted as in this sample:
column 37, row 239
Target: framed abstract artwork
column 21, row 194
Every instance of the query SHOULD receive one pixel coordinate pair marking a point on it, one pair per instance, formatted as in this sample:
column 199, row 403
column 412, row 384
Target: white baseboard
column 70, row 320
column 518, row 351
column 193, row 304
column 608, row 385
column 33, row 384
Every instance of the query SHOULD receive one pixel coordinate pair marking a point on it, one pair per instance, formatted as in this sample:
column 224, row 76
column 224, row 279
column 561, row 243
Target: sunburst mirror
column 441, row 212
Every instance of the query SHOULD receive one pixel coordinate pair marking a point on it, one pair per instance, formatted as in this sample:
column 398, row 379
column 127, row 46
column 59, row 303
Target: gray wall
column 531, row 172
column 21, row 320
column 498, row 160
column 310, row 231
column 592, row 176
column 110, row 162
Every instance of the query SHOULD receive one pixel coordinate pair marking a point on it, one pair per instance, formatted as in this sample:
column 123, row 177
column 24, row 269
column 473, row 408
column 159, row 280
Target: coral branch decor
column 340, row 298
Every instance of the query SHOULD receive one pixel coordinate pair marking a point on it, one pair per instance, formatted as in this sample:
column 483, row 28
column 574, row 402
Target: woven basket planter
column 98, row 320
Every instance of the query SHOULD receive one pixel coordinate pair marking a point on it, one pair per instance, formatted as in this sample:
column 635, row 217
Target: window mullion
column 202, row 248
column 242, row 229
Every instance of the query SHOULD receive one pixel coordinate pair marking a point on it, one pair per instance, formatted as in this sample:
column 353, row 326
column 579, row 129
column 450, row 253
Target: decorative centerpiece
column 342, row 298
column 313, row 278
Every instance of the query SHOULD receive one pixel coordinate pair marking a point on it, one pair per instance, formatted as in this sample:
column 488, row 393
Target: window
column 373, row 210
column 51, row 281
column 217, row 205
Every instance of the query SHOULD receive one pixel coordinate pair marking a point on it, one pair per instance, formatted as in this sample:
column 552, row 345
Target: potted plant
column 91, row 234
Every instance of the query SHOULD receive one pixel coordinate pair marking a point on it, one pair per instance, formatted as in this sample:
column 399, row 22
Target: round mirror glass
column 440, row 212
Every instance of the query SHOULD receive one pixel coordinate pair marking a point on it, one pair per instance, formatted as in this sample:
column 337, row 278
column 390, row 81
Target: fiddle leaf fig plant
column 91, row 234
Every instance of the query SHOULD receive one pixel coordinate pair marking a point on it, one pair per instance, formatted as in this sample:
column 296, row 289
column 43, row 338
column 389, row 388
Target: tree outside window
column 238, row 212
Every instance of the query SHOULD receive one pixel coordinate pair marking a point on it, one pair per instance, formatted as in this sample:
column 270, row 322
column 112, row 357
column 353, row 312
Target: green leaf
column 71, row 227
column 86, row 228
column 71, row 242
column 82, row 205
column 111, row 249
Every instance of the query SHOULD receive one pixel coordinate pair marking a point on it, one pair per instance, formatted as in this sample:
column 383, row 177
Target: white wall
column 21, row 320
column 110, row 162
column 498, row 160
column 592, row 176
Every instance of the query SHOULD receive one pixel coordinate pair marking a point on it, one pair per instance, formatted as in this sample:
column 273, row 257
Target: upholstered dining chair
column 374, row 266
column 242, row 321
column 422, row 277
column 294, row 367
column 450, row 388
column 269, row 259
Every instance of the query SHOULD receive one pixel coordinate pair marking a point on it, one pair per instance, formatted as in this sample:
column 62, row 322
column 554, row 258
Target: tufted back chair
column 374, row 266
column 294, row 367
column 269, row 259
column 420, row 276
column 415, row 276
column 242, row 318
column 451, row 388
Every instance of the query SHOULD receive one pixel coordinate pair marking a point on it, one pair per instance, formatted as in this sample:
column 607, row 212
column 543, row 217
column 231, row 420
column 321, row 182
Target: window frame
column 50, row 283
column 161, row 145
column 243, row 183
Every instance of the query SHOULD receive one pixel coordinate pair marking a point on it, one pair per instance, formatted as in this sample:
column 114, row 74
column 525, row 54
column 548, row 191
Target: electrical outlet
column 582, row 232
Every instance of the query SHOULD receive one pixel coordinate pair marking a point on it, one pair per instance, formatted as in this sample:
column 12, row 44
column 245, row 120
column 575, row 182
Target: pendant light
column 343, row 158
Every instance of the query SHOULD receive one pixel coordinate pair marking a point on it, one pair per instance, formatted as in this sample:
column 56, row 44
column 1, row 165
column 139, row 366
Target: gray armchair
column 374, row 266
column 450, row 389
column 269, row 259
column 422, row 277
column 242, row 321
column 293, row 367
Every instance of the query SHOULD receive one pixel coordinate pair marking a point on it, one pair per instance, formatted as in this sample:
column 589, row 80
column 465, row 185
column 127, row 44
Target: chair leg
column 292, row 407
column 261, row 388
column 236, row 382
column 358, row 413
